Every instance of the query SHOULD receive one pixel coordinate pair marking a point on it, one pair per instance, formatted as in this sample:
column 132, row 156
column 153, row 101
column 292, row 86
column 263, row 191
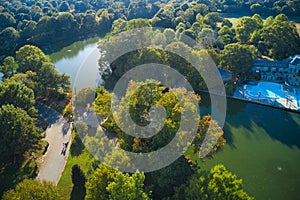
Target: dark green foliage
column 9, row 38
column 18, row 133
column 19, row 95
column 164, row 181
column 30, row 58
column 238, row 58
column 278, row 38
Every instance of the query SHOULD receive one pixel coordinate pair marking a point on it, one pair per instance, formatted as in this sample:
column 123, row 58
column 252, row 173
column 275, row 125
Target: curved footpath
column 58, row 134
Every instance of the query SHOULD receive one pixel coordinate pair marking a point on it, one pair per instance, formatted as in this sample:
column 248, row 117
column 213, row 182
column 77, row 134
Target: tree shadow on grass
column 12, row 174
column 77, row 146
column 78, row 193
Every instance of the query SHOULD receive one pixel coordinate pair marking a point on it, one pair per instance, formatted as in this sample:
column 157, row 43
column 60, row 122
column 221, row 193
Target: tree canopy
column 217, row 184
column 30, row 189
column 18, row 132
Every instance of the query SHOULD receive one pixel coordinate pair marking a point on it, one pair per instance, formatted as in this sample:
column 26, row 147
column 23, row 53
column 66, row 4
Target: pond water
column 263, row 143
column 73, row 59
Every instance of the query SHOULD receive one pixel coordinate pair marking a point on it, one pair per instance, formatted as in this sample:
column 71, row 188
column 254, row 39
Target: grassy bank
column 80, row 156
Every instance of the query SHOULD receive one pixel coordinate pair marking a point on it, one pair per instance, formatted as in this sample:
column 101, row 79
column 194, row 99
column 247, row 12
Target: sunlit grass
column 83, row 159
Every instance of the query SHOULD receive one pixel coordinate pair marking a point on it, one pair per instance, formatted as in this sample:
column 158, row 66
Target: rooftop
column 296, row 60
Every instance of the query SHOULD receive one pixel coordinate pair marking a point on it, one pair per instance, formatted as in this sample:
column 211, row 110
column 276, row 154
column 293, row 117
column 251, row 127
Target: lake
column 78, row 57
column 263, row 143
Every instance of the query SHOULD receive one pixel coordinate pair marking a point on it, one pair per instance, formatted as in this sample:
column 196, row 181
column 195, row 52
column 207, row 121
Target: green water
column 263, row 148
column 263, row 143
column 80, row 55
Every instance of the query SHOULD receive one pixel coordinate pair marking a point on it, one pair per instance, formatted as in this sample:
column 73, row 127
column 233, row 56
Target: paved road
column 57, row 134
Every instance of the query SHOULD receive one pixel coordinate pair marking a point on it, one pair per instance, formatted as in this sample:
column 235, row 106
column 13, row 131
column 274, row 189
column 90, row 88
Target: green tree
column 64, row 6
column 211, row 19
column 163, row 182
column 9, row 67
column 278, row 38
column 238, row 58
column 7, row 20
column 98, row 181
column 209, row 129
column 50, row 80
column 102, row 102
column 217, row 184
column 66, row 25
column 18, row 132
column 128, row 187
column 29, row 79
column 30, row 58
column 19, row 95
column 246, row 27
column 30, row 189
column 9, row 38
column 137, row 23
column 226, row 35
column 200, row 8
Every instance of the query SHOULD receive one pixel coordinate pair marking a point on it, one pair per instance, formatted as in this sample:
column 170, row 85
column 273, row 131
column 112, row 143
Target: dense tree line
column 29, row 77
column 41, row 23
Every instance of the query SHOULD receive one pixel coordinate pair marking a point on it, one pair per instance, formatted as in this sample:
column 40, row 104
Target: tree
column 9, row 38
column 30, row 58
column 200, row 8
column 50, row 80
column 66, row 25
column 9, row 67
column 163, row 182
column 27, row 29
column 128, row 187
column 19, row 95
column 209, row 129
column 170, row 35
column 7, row 20
column 18, row 132
column 246, row 27
column 137, row 23
column 238, row 58
column 278, row 38
column 217, row 184
column 223, row 183
column 30, row 189
column 98, row 181
column 64, row 7
column 226, row 35
column 211, row 19
column 29, row 79
column 206, row 37
column 102, row 102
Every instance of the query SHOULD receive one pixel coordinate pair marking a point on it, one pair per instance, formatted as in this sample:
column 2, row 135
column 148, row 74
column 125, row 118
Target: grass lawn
column 80, row 156
column 12, row 174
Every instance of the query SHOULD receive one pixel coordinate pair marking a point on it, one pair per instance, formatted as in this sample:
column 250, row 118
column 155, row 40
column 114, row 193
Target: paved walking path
column 57, row 134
